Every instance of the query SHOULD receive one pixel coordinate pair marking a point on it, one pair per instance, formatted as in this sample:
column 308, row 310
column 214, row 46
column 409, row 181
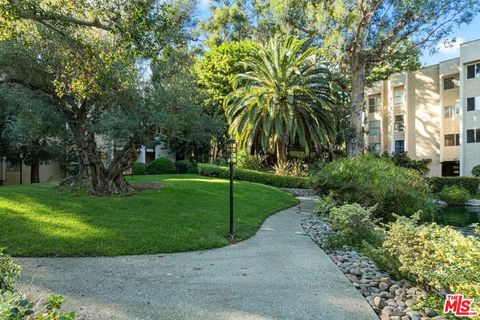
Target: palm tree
column 285, row 98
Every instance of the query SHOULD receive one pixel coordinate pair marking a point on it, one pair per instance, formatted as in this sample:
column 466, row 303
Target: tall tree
column 285, row 98
column 33, row 131
column 83, row 55
column 236, row 20
column 361, row 35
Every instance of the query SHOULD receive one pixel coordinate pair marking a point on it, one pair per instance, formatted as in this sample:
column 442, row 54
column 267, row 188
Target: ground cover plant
column 188, row 212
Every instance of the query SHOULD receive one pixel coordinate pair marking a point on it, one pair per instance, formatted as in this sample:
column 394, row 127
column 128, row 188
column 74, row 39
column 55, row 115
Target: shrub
column 454, row 195
column 210, row 170
column 298, row 168
column 403, row 160
column 185, row 166
column 470, row 183
column 13, row 305
column 220, row 162
column 9, row 272
column 251, row 162
column 354, row 222
column 139, row 168
column 369, row 180
column 439, row 257
column 476, row 171
column 160, row 166
column 324, row 205
column 282, row 167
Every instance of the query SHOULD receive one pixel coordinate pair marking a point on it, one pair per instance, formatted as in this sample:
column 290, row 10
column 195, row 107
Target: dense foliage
column 254, row 176
column 14, row 305
column 476, row 171
column 284, row 99
column 160, row 166
column 185, row 166
column 9, row 272
column 403, row 160
column 139, row 168
column 469, row 183
column 370, row 181
column 454, row 195
column 439, row 257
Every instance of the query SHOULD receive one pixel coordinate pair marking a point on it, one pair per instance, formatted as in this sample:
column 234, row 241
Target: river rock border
column 391, row 299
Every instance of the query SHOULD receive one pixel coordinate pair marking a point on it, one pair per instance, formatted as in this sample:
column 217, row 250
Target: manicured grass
column 189, row 213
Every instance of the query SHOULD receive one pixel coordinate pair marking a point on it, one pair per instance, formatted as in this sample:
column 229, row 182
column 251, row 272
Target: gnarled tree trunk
column 93, row 174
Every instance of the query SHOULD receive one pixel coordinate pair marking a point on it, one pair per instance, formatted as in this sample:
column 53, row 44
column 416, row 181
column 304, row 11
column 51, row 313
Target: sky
column 462, row 34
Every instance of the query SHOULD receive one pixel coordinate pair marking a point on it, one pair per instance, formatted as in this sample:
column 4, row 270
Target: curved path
column 277, row 274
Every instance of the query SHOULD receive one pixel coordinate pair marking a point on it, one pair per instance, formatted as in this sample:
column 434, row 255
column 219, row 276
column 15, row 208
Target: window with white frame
column 473, row 135
column 374, row 103
column 451, row 112
column 398, row 97
column 473, row 71
column 452, row 140
column 450, row 83
column 399, row 123
column 473, row 103
column 374, row 128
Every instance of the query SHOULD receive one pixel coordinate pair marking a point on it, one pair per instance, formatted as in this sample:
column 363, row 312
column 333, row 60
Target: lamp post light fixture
column 232, row 159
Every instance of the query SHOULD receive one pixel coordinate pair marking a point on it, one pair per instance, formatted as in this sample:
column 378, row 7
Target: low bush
column 369, row 180
column 251, row 162
column 15, row 306
column 470, row 183
column 160, row 166
column 139, row 168
column 211, row 170
column 324, row 205
column 298, row 168
column 282, row 167
column 476, row 171
column 9, row 272
column 454, row 195
column 404, row 160
column 355, row 223
column 185, row 166
column 439, row 257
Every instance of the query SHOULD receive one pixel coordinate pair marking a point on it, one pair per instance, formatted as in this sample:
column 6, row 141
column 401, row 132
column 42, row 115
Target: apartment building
column 432, row 113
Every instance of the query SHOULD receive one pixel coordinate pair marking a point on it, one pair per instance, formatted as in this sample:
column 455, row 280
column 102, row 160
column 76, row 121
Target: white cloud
column 450, row 48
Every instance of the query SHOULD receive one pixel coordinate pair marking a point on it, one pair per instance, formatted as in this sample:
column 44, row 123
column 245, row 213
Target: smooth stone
column 383, row 286
column 430, row 312
column 379, row 302
column 409, row 302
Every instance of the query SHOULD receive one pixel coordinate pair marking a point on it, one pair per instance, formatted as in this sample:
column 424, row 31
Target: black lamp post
column 21, row 168
column 232, row 159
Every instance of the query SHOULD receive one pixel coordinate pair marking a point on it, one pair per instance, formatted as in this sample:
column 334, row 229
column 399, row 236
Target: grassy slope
column 189, row 213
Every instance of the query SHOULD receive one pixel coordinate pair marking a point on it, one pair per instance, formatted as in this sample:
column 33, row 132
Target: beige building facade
column 432, row 113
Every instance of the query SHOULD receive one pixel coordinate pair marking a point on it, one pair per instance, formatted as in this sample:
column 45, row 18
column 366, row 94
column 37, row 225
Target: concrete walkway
column 278, row 274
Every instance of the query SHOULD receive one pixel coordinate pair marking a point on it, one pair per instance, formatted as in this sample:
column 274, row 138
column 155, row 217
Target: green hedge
column 211, row 170
column 139, row 168
column 161, row 165
column 185, row 166
column 470, row 183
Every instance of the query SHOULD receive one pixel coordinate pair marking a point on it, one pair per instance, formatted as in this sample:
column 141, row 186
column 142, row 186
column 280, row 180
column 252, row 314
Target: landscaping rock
column 379, row 302
column 430, row 312
column 391, row 300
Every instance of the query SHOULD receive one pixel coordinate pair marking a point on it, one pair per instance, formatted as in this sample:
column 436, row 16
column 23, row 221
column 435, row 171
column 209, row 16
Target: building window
column 473, row 135
column 399, row 123
column 473, row 71
column 452, row 140
column 449, row 83
column 374, row 147
column 399, row 146
column 374, row 103
column 374, row 128
column 451, row 112
column 398, row 97
column 473, row 103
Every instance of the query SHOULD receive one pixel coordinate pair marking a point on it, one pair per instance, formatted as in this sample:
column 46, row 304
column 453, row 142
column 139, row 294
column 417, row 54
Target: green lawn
column 189, row 213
